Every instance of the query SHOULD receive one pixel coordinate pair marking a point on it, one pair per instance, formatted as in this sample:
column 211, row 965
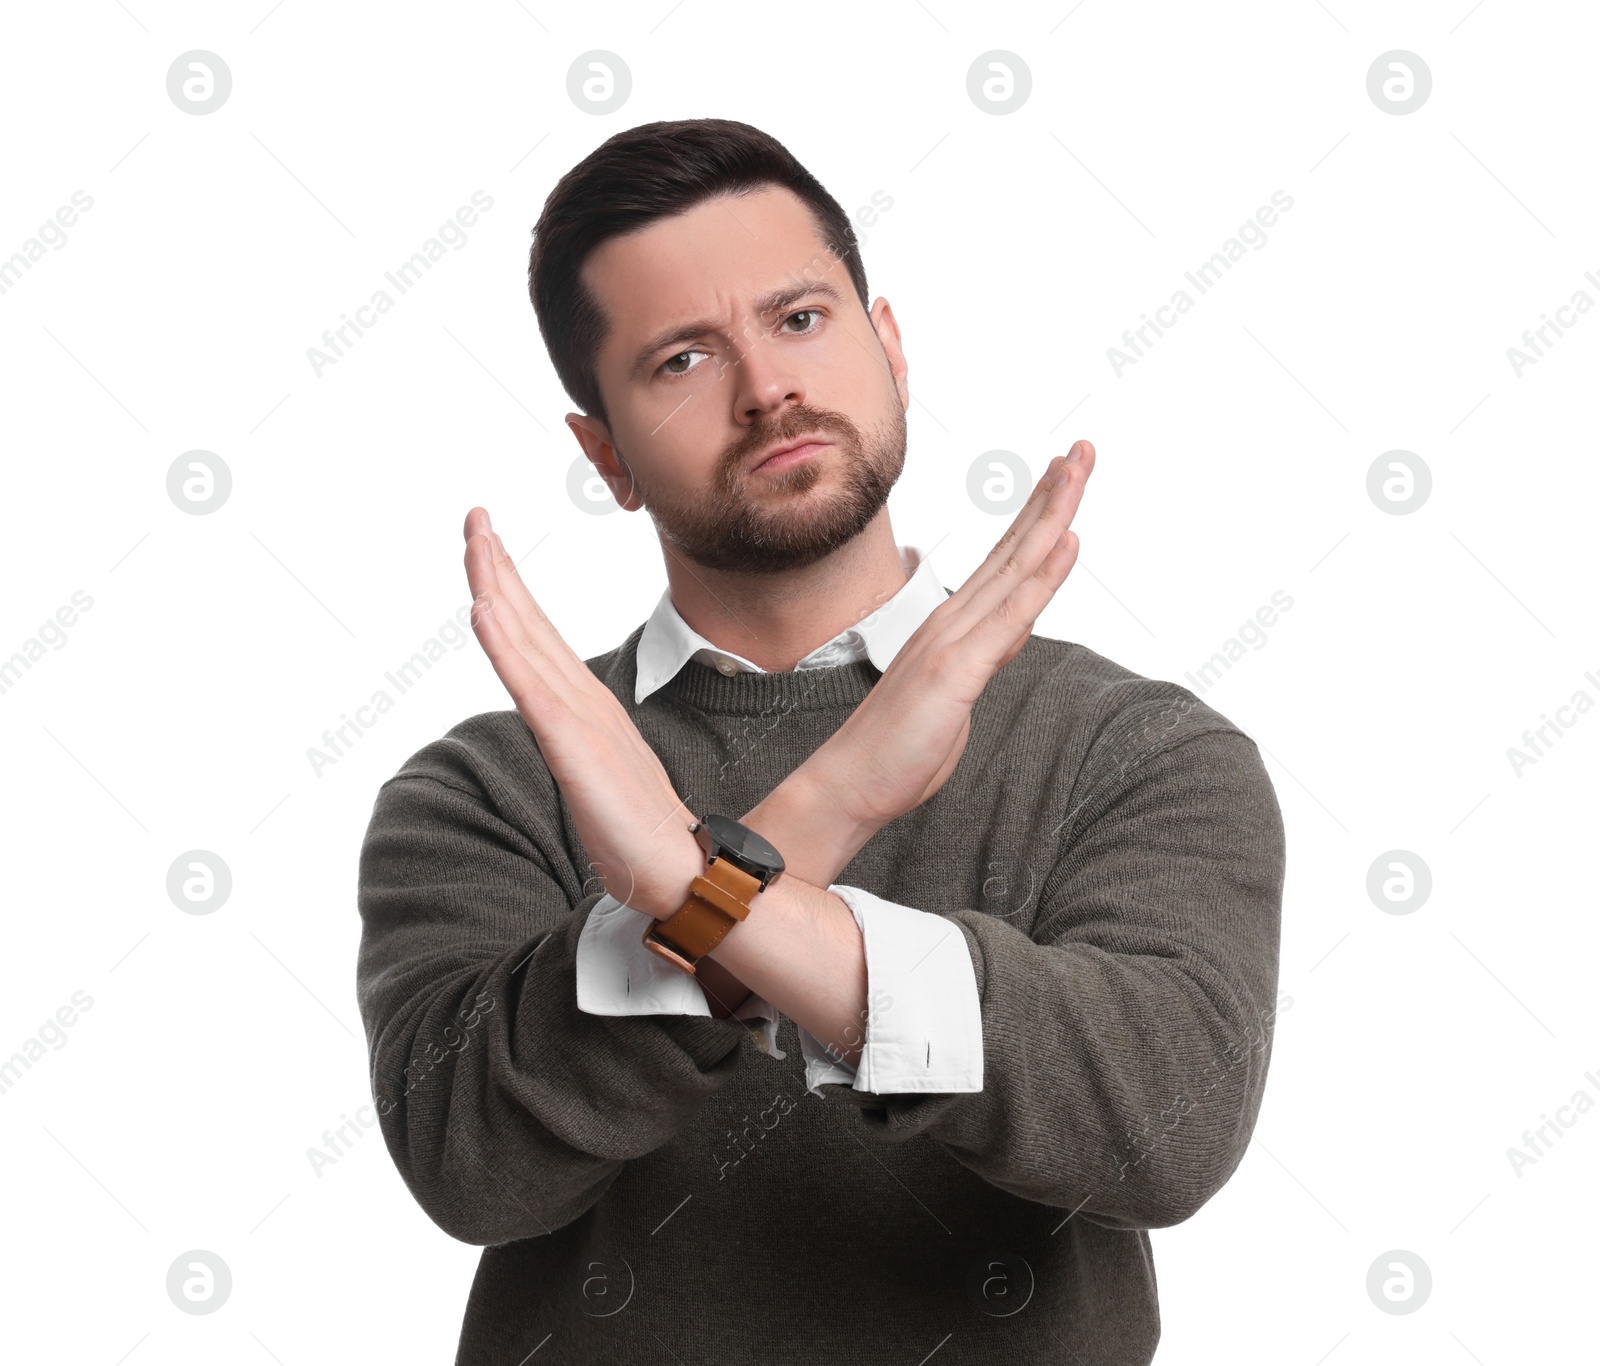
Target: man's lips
column 790, row 453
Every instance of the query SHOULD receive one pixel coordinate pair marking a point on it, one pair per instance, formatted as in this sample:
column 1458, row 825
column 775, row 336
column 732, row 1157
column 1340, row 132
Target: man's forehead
column 719, row 259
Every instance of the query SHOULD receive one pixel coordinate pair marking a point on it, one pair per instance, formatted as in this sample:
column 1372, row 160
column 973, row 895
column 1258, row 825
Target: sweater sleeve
column 507, row 1109
column 1126, row 1038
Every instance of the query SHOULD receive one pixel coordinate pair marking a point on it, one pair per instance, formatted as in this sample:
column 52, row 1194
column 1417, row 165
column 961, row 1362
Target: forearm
column 724, row 992
column 483, row 1062
column 484, row 1087
column 804, row 821
column 800, row 949
column 1127, row 1030
column 825, row 990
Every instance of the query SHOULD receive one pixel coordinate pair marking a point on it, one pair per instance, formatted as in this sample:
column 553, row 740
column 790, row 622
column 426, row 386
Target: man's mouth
column 790, row 453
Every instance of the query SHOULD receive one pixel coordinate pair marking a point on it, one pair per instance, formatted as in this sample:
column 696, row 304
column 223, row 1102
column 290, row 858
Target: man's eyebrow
column 774, row 301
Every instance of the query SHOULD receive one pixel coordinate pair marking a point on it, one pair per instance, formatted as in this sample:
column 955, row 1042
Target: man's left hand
column 633, row 824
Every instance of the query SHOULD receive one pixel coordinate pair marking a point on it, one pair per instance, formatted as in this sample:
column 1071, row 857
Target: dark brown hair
column 630, row 180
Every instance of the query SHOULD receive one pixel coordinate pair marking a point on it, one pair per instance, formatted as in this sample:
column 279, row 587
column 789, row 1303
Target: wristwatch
column 740, row 865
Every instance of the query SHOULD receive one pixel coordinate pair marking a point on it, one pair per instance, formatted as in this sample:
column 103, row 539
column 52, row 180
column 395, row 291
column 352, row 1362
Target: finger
column 1002, row 635
column 530, row 633
column 506, row 575
column 510, row 579
column 516, row 665
column 546, row 701
column 1016, row 625
column 1021, row 551
column 526, row 622
column 477, row 523
column 521, row 613
column 525, row 649
column 1020, row 524
column 1025, row 519
column 545, row 650
column 522, row 601
column 998, row 637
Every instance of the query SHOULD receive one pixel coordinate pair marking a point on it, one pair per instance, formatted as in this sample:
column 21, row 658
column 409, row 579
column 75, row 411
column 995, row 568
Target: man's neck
column 776, row 620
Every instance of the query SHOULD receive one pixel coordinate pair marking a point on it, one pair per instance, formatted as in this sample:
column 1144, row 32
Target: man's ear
column 607, row 461
column 888, row 330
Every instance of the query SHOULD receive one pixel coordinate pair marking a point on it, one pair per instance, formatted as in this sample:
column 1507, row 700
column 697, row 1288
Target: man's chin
column 773, row 548
column 795, row 480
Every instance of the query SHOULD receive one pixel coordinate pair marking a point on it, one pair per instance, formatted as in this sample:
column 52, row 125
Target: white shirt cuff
column 617, row 975
column 924, row 1028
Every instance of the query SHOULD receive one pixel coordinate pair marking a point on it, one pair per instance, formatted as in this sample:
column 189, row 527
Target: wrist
column 809, row 824
column 690, row 863
column 724, row 992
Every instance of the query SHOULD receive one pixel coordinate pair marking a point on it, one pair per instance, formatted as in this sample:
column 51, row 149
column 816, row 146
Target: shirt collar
column 668, row 642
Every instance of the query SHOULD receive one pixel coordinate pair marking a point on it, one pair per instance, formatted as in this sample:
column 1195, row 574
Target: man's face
column 733, row 330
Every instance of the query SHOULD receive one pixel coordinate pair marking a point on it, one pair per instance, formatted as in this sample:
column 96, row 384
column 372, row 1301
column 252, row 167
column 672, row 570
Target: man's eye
column 672, row 361
column 671, row 366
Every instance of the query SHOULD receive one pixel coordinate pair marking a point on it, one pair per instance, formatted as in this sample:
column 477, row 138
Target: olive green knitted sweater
column 654, row 1189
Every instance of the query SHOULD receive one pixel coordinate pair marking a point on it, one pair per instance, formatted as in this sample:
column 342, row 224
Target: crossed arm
column 814, row 952
column 1141, row 995
column 802, row 952
column 1126, row 1034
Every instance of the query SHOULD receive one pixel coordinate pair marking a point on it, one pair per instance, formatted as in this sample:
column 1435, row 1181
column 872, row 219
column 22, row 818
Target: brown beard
column 727, row 528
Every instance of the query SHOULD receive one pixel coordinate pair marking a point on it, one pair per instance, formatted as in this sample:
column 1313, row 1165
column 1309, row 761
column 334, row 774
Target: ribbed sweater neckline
column 744, row 693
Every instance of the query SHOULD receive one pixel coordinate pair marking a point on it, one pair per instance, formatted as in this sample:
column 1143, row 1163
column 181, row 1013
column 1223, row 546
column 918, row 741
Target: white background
column 1233, row 458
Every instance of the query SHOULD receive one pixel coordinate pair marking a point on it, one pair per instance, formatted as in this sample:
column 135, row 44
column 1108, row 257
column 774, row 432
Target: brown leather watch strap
column 718, row 899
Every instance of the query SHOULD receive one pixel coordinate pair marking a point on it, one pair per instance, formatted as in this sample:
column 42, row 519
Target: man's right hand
column 902, row 743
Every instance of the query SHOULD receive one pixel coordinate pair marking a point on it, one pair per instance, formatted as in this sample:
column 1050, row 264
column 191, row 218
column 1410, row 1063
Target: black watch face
column 744, row 848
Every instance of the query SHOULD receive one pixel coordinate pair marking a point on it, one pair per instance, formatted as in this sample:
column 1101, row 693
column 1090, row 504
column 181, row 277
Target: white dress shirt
column 924, row 1030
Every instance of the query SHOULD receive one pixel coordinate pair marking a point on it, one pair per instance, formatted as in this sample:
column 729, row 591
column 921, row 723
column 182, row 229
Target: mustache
column 797, row 422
